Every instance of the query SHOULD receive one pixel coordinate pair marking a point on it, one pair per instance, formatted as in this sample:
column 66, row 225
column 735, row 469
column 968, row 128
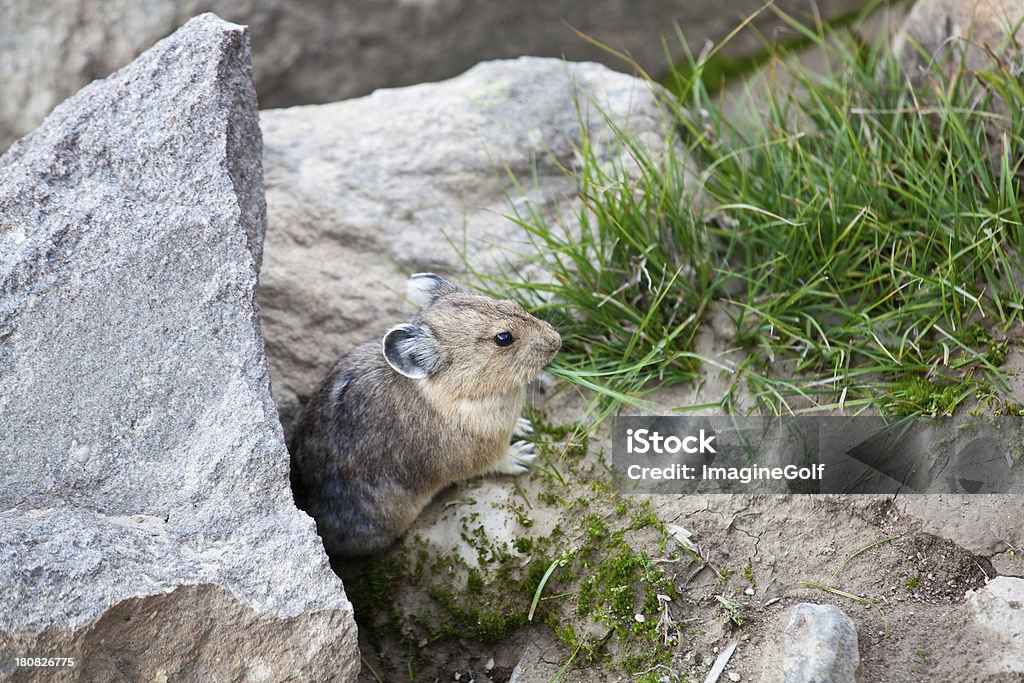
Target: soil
column 915, row 558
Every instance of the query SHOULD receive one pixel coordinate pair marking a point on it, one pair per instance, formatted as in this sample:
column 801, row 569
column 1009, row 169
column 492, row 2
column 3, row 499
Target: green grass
column 863, row 239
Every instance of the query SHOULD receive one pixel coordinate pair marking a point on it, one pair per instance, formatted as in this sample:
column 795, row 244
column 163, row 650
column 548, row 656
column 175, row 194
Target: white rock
column 999, row 609
column 820, row 644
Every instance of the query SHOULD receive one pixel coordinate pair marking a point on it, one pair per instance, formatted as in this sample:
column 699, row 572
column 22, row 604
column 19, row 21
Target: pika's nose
column 554, row 339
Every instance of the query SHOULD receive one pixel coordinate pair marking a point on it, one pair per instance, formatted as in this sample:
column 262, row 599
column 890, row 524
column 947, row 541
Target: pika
column 435, row 402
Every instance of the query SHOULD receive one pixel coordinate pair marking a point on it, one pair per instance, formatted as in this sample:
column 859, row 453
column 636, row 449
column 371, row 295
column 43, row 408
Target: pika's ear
column 425, row 288
column 410, row 350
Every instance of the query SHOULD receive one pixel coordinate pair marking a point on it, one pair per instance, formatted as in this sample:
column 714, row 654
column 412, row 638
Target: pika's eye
column 504, row 338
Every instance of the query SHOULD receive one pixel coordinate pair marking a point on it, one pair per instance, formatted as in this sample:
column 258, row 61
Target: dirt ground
column 921, row 630
column 915, row 557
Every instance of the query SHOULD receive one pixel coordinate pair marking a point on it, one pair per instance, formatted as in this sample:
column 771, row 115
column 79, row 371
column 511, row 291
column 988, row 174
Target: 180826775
column 36, row 662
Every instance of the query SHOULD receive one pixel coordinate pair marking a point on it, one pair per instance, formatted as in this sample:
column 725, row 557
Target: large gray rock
column 146, row 524
column 820, row 645
column 323, row 50
column 364, row 192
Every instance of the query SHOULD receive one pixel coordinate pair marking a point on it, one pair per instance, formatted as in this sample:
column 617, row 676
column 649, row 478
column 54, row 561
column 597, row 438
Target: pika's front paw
column 524, row 428
column 517, row 459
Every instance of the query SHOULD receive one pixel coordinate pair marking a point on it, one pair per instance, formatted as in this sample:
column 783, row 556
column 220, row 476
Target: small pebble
column 733, row 676
column 639, row 617
column 748, row 591
column 489, row 665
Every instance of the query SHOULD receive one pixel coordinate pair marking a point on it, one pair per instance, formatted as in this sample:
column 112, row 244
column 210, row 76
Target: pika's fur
column 388, row 430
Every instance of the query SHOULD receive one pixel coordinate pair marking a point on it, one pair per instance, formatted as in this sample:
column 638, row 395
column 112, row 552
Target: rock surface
column 146, row 524
column 364, row 192
column 951, row 33
column 820, row 646
column 322, row 50
column 999, row 610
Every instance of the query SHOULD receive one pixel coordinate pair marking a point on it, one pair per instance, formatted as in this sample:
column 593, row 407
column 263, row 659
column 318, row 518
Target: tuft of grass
column 732, row 607
column 861, row 551
column 867, row 602
column 863, row 238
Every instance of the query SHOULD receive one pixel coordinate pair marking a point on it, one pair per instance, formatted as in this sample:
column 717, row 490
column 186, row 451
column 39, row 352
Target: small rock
column 733, row 676
column 748, row 591
column 820, row 644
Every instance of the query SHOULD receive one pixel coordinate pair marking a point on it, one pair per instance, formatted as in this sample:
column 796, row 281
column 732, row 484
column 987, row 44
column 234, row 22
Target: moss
column 915, row 394
column 619, row 584
column 724, row 575
column 748, row 574
column 591, row 602
column 475, row 617
column 1010, row 409
column 378, row 585
column 913, row 582
column 644, row 516
column 549, row 499
column 995, row 352
column 474, row 581
column 523, row 544
column 523, row 520
column 570, row 439
column 583, row 648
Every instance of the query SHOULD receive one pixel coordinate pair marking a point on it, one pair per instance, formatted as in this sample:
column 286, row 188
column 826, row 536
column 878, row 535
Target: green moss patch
column 609, row 599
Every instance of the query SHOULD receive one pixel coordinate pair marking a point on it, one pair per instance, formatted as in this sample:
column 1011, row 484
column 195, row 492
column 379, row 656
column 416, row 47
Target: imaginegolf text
column 743, row 475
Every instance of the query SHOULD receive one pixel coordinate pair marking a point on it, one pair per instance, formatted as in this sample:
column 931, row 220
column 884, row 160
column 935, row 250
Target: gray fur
column 410, row 351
